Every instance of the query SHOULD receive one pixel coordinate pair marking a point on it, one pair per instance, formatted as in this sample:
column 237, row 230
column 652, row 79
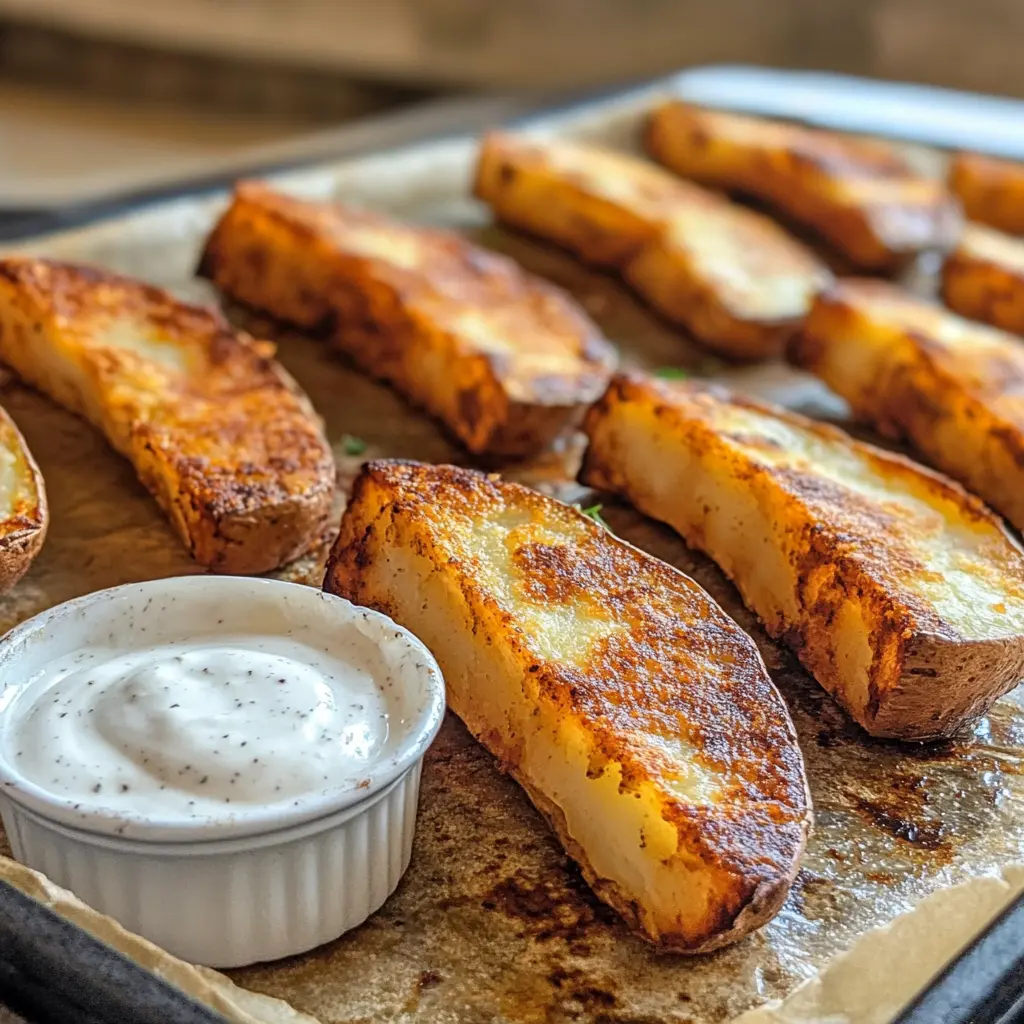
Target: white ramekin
column 228, row 891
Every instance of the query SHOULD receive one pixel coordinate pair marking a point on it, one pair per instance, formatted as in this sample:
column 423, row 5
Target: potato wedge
column 24, row 514
column 733, row 278
column 951, row 387
column 505, row 360
column 983, row 278
column 902, row 594
column 990, row 190
column 601, row 205
column 861, row 196
column 638, row 717
column 216, row 430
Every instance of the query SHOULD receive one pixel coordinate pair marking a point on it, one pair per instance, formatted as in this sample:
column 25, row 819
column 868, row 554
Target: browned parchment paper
column 492, row 922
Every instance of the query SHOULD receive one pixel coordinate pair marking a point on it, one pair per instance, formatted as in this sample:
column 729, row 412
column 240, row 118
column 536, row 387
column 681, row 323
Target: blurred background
column 105, row 94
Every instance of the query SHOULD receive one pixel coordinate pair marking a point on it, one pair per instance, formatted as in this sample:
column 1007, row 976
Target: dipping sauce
column 199, row 729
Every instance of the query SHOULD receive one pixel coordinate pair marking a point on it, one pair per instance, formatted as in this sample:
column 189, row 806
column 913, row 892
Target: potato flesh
column 16, row 484
column 988, row 244
column 24, row 515
column 860, row 195
column 991, row 190
column 223, row 439
column 983, row 278
column 503, row 358
column 759, row 272
column 757, row 490
column 554, row 754
column 916, row 371
column 706, row 503
column 735, row 279
column 953, row 552
column 522, row 669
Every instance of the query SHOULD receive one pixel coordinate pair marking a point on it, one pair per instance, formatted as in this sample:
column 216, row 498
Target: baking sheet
column 492, row 922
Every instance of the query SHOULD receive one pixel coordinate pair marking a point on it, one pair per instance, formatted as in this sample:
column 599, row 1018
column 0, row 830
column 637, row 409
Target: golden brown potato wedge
column 216, row 430
column 24, row 515
column 603, row 206
column 990, row 190
column 731, row 277
column 638, row 717
column 983, row 278
column 901, row 593
column 504, row 359
column 861, row 196
column 952, row 387
column 735, row 279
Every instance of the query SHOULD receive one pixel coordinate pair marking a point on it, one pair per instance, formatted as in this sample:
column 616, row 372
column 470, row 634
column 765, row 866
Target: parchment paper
column 492, row 922
column 887, row 967
column 236, row 1004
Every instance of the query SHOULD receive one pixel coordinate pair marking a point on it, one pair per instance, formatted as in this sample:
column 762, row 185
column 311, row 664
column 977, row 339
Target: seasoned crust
column 952, row 387
column 25, row 514
column 990, row 190
column 735, row 279
column 859, row 195
column 503, row 358
column 900, row 592
column 983, row 278
column 559, row 641
column 217, row 431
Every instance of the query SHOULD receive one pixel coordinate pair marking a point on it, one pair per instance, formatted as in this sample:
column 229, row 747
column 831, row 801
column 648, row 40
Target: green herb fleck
column 353, row 445
column 671, row 373
column 594, row 512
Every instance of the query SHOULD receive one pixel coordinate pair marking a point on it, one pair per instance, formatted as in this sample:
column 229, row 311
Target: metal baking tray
column 492, row 921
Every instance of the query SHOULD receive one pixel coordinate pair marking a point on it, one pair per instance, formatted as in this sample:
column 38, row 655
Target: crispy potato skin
column 733, row 278
column 829, row 565
column 983, row 278
column 504, row 359
column 216, row 430
column 953, row 388
column 859, row 195
column 26, row 518
column 990, row 190
column 428, row 545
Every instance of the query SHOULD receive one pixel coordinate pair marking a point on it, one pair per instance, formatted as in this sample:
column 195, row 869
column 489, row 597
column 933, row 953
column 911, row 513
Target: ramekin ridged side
column 227, row 903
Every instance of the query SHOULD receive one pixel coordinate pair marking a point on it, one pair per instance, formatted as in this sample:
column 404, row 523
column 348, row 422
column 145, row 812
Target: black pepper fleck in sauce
column 179, row 729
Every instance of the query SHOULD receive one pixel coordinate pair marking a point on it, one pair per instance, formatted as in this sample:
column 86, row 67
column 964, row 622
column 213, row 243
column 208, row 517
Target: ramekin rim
column 273, row 817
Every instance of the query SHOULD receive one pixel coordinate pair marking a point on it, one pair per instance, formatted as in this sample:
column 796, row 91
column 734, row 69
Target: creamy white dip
column 198, row 729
